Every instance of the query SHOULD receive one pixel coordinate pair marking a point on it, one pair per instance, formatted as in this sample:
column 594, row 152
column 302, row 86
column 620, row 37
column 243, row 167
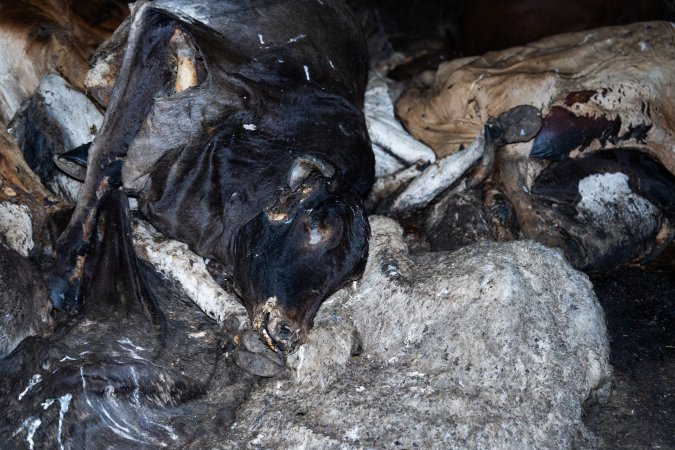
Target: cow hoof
column 74, row 162
column 519, row 124
column 65, row 295
column 254, row 357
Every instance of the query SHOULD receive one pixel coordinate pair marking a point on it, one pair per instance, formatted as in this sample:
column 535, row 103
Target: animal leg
column 518, row 124
column 144, row 72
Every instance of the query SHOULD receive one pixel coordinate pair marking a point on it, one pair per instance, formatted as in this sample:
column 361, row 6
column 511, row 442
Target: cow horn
column 303, row 166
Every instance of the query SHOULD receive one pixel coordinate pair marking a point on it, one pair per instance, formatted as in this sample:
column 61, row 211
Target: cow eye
column 323, row 227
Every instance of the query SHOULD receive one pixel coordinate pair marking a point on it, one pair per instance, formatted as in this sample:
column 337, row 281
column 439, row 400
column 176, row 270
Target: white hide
column 394, row 148
column 497, row 345
column 601, row 193
column 70, row 110
column 69, row 117
column 16, row 227
column 438, row 177
column 175, row 260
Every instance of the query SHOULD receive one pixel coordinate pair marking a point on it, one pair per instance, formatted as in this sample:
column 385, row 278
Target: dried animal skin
column 626, row 71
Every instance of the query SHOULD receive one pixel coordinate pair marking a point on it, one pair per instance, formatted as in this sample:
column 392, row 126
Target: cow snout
column 275, row 329
column 282, row 336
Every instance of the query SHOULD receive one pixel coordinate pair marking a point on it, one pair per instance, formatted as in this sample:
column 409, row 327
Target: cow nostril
column 285, row 338
column 284, row 332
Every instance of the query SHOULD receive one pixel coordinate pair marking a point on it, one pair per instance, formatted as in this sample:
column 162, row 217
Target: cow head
column 298, row 251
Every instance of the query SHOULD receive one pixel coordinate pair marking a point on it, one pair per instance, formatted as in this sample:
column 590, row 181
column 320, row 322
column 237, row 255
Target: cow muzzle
column 277, row 332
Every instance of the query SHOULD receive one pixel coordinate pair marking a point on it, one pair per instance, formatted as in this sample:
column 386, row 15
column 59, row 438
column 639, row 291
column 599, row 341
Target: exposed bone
column 186, row 73
column 394, row 148
column 269, row 316
column 411, row 316
column 438, row 177
column 269, row 313
column 277, row 217
column 100, row 79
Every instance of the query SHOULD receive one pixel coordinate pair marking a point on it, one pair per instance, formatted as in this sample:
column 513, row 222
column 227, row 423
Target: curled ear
column 303, row 166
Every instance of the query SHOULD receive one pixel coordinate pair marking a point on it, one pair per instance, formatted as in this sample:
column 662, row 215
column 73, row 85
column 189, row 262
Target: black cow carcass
column 241, row 134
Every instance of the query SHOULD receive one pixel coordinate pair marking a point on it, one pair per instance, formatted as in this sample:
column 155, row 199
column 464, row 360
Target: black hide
column 275, row 112
column 621, row 230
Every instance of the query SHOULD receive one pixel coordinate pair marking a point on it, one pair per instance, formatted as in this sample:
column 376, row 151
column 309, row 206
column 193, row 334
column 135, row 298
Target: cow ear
column 303, row 166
